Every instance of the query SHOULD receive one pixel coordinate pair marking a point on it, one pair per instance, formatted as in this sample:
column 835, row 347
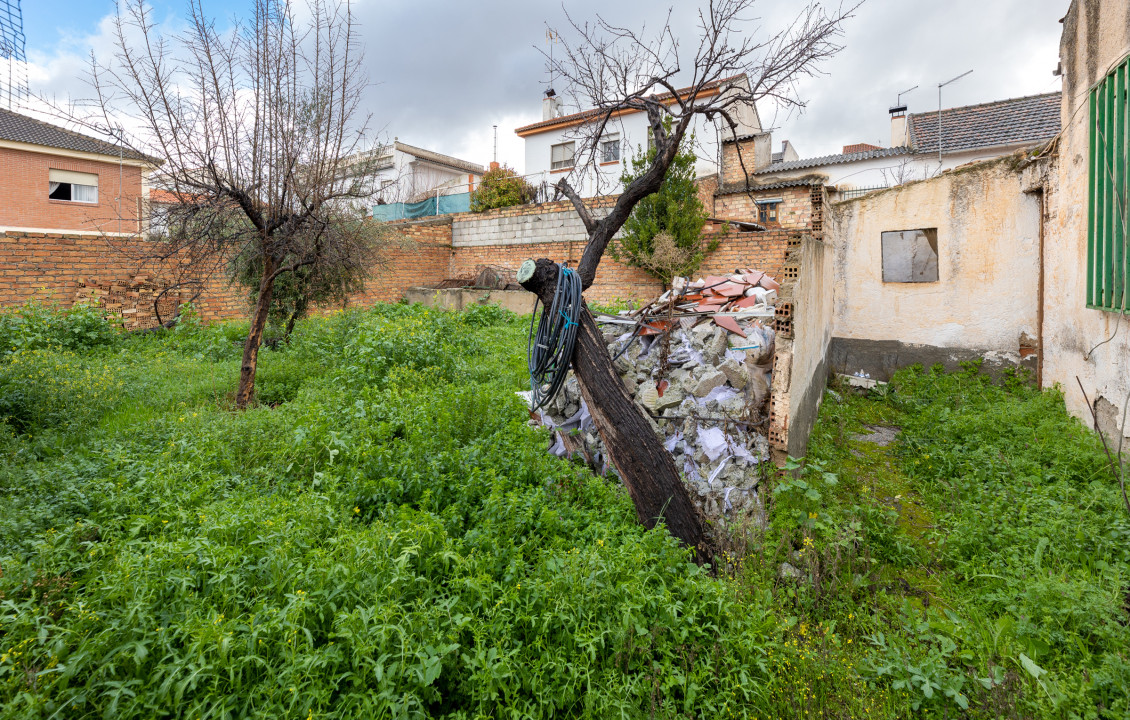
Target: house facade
column 1023, row 258
column 58, row 181
column 1084, row 292
column 553, row 145
column 967, row 134
column 406, row 173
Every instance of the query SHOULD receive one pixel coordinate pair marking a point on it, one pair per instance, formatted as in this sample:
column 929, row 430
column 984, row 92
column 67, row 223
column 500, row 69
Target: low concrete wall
column 517, row 301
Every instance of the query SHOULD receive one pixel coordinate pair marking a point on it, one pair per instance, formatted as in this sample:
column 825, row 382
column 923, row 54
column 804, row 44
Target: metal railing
column 856, row 192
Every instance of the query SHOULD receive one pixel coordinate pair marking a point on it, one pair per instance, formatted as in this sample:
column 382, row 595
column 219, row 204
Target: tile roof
column 439, row 158
column 595, row 112
column 21, row 128
column 1004, row 122
column 860, row 147
column 832, row 159
column 734, row 188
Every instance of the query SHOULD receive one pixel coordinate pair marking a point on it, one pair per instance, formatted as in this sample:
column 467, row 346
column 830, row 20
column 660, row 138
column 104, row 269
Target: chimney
column 550, row 105
column 899, row 137
column 493, row 165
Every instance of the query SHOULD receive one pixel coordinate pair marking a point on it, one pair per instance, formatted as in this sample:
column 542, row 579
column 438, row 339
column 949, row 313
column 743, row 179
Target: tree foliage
column 675, row 211
column 257, row 134
column 501, row 187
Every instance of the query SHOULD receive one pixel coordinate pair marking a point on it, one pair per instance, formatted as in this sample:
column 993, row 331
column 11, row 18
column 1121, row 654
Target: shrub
column 36, row 325
column 663, row 235
column 501, row 187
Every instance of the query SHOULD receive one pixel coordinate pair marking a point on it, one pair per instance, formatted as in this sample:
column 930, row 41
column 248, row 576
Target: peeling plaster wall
column 1096, row 36
column 984, row 301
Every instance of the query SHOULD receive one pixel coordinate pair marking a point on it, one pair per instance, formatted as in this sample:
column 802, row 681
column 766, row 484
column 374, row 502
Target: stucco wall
column 984, row 301
column 1096, row 36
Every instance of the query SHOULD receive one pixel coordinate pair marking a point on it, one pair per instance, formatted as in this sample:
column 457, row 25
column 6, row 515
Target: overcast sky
column 444, row 71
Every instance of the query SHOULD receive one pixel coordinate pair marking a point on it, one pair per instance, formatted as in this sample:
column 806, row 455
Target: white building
column 552, row 144
column 406, row 173
column 968, row 134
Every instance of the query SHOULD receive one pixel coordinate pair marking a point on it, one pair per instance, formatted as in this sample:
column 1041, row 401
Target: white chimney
column 550, row 105
column 899, row 137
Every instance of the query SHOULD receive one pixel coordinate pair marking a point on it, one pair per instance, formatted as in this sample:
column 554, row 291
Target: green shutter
column 1108, row 254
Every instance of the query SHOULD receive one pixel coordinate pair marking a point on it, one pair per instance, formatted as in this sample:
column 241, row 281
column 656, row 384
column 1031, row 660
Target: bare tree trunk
column 645, row 466
column 246, row 392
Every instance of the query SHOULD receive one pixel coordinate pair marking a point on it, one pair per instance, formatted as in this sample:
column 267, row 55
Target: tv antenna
column 940, row 86
column 13, row 49
column 551, row 38
column 898, row 100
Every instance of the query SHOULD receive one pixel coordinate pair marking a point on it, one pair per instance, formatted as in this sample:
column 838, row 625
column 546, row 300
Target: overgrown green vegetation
column 385, row 536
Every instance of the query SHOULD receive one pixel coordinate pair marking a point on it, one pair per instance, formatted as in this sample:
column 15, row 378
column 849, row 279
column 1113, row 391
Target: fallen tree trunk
column 645, row 466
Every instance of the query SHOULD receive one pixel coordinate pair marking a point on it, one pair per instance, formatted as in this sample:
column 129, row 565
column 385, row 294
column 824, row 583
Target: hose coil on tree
column 550, row 345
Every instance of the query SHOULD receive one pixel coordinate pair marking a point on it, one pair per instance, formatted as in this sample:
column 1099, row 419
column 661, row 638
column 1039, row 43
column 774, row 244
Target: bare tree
column 257, row 131
column 613, row 70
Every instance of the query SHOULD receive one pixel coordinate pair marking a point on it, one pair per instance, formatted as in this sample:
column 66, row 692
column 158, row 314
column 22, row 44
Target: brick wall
column 794, row 212
column 421, row 255
column 24, row 187
column 48, row 267
column 756, row 153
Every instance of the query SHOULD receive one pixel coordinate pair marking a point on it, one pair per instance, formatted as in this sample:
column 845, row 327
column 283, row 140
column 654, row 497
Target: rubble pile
column 698, row 359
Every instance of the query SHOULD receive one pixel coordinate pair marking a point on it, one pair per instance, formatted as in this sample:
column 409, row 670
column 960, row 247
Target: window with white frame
column 610, row 149
column 72, row 186
column 561, row 156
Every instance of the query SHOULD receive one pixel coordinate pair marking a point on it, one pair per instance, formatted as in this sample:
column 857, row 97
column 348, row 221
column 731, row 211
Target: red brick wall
column 421, row 255
column 614, row 281
column 48, row 267
column 24, row 188
column 763, row 251
column 795, row 210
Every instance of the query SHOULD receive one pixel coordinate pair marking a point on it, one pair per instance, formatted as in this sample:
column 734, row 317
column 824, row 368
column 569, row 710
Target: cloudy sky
column 444, row 71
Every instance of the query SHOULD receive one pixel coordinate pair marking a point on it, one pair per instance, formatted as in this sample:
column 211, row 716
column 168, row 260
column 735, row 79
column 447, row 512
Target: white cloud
column 444, row 72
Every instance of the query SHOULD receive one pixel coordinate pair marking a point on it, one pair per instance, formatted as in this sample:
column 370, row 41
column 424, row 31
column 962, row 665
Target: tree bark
column 246, row 392
column 645, row 466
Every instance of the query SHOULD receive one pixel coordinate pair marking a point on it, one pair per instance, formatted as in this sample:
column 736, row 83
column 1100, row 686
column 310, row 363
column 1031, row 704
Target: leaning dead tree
column 257, row 131
column 615, row 70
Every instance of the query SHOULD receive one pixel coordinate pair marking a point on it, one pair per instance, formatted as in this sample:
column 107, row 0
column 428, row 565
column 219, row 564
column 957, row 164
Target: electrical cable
column 550, row 346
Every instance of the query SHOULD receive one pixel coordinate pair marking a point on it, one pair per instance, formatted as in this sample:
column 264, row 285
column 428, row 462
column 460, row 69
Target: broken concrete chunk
column 737, row 375
column 709, row 381
column 671, row 398
column 648, row 397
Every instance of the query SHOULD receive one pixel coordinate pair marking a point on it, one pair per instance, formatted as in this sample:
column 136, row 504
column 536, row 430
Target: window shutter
column 74, row 178
column 1108, row 254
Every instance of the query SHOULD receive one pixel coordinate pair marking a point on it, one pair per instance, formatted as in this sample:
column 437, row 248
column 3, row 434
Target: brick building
column 55, row 180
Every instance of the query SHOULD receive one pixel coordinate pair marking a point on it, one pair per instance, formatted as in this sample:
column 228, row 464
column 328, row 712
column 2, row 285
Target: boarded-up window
column 910, row 255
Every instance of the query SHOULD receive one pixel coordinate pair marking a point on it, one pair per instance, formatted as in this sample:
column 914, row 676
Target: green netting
column 443, row 205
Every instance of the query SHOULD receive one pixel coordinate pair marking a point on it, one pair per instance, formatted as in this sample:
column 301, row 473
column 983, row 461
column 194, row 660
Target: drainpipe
column 1040, row 301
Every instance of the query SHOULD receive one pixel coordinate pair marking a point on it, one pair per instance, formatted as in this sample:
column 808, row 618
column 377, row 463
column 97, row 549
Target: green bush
column 36, row 325
column 501, row 187
column 663, row 235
